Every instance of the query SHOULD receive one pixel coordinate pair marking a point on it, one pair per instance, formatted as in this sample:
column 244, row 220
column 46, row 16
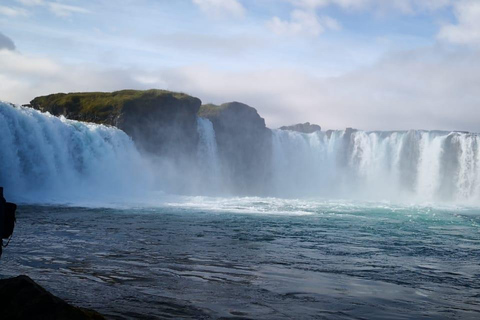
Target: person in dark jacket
column 7, row 219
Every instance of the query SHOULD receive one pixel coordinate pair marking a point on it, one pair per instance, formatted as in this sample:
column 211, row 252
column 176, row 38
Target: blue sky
column 370, row 64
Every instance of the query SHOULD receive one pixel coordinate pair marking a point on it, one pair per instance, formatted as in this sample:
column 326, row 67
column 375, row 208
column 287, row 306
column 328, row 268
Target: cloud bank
column 221, row 8
column 57, row 8
column 418, row 89
column 467, row 29
column 405, row 6
column 296, row 62
column 303, row 22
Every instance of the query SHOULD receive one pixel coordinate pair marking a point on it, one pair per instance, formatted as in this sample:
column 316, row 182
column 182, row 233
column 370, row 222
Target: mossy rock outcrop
column 306, row 127
column 159, row 121
column 244, row 144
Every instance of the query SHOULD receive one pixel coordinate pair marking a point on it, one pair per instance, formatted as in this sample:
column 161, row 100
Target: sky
column 367, row 64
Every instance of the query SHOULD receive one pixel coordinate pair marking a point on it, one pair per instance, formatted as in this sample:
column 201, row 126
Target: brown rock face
column 22, row 299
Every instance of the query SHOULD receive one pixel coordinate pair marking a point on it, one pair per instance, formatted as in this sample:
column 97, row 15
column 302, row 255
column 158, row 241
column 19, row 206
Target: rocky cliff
column 159, row 121
column 165, row 123
column 303, row 127
column 244, row 145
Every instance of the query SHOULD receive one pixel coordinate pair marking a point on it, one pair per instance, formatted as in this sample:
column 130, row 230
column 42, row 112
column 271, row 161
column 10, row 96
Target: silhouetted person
column 7, row 219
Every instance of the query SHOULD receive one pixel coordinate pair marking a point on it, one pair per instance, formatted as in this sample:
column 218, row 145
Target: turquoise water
column 244, row 258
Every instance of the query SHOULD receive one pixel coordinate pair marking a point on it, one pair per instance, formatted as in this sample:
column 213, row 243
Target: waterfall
column 406, row 166
column 207, row 153
column 43, row 157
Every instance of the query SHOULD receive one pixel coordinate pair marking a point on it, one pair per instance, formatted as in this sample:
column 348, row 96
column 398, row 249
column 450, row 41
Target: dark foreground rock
column 159, row 121
column 303, row 127
column 244, row 144
column 21, row 298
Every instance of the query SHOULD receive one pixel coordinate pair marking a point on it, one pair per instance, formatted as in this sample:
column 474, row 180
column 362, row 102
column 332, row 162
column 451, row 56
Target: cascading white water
column 45, row 158
column 207, row 153
column 410, row 165
column 207, row 147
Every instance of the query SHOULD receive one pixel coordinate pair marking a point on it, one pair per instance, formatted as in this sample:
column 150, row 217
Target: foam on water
column 244, row 205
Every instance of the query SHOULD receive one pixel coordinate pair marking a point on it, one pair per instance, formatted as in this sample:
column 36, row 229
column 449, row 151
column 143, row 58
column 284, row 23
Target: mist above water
column 48, row 159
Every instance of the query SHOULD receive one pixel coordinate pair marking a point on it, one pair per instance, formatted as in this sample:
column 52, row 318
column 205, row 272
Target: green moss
column 101, row 106
column 209, row 110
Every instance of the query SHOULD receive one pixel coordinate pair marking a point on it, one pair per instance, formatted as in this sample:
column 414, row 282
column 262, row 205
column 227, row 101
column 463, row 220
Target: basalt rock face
column 22, row 299
column 303, row 127
column 160, row 122
column 244, row 145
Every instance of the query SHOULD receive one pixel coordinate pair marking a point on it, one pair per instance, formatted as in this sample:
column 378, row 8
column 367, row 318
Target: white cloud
column 12, row 62
column 313, row 4
column 57, row 8
column 434, row 4
column 13, row 11
column 330, row 23
column 23, row 77
column 431, row 89
column 221, row 8
column 31, row 2
column 303, row 22
column 232, row 44
column 405, row 6
column 467, row 29
column 425, row 89
column 305, row 18
column 64, row 10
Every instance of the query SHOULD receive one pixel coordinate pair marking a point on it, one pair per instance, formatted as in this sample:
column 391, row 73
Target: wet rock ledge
column 21, row 298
